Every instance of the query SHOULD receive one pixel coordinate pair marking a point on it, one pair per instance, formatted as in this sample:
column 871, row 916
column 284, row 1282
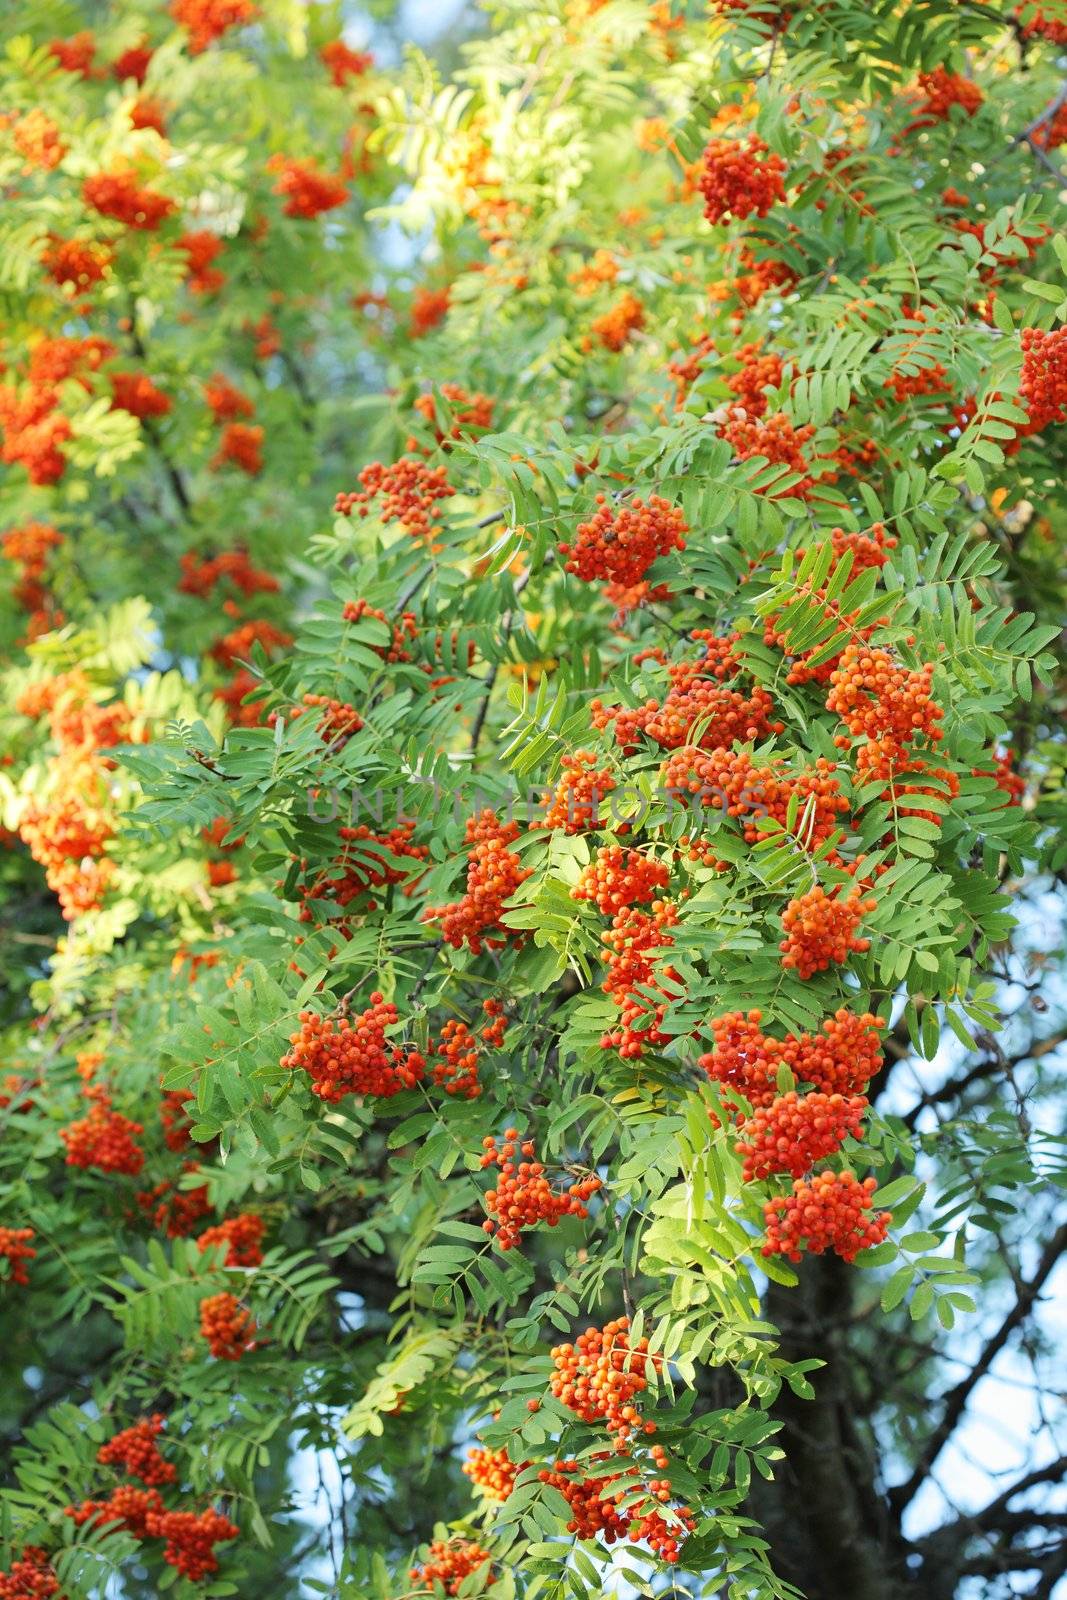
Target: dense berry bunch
column 795, row 1131
column 226, row 1326
column 191, row 1537
column 829, row 1212
column 633, row 943
column 30, row 1577
column 16, row 1250
column 344, row 62
column 243, row 1237
column 617, row 878
column 597, row 1513
column 200, row 575
column 237, row 644
column 240, row 445
column 1043, row 385
column 601, row 1374
column 494, row 873
column 175, row 1117
column 614, row 327
column 78, row 263
column 308, row 191
column 227, row 403
column 135, row 1452
column 455, row 1068
column 758, row 372
column 407, row 492
column 877, row 697
column 37, row 138
column 76, row 54
column 931, row 380
column 740, row 178
column 774, row 438
column 201, row 249
column 345, row 1055
column 173, row 1211
column 119, row 195
column 941, row 90
column 842, row 1059
column 491, row 1472
column 574, row 806
column 104, row 1139
column 207, row 20
column 450, row 1562
column 127, row 1505
column 136, row 393
column 470, row 412
column 729, row 780
column 708, row 692
column 338, row 722
column 523, row 1196
column 821, row 929
column 621, row 543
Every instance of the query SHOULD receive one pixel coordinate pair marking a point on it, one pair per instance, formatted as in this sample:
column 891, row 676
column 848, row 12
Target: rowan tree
column 532, row 793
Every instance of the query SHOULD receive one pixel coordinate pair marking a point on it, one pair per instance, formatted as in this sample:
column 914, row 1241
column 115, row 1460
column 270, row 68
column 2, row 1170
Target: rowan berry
column 877, row 697
column 614, row 328
column 797, row 1130
column 407, row 490
column 1043, row 385
column 492, row 1473
column 450, row 1562
column 243, row 1237
column 241, row 445
column 821, row 929
column 574, row 805
column 617, row 878
column 16, row 1250
column 494, row 874
column 344, row 62
column 308, row 191
column 104, row 1139
column 190, row 1539
column 201, row 249
column 136, row 393
column 621, row 543
column 523, row 1196
column 30, row 1577
column 345, row 1055
column 119, row 195
column 600, row 1375
column 740, row 178
column 758, row 372
column 136, row 1453
column 829, row 1212
column 227, row 1327
column 707, row 692
column 842, row 1059
column 207, row 20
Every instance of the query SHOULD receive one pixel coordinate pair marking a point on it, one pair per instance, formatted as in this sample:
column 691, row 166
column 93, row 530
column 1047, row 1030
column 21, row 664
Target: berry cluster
column 614, row 327
column 600, row 1375
column 30, row 1577
column 226, row 403
column 240, row 445
column 595, row 1512
column 449, row 1563
column 740, row 178
column 842, row 1059
column 190, row 1539
column 201, row 575
column 243, row 1237
column 887, row 705
column 37, row 138
column 338, row 722
column 1043, row 385
column 308, row 191
column 118, row 195
column 227, row 1326
column 16, row 1250
column 201, row 249
column 470, row 413
column 104, row 1139
column 350, row 1056
column 75, row 263
column 136, row 393
column 207, row 20
column 575, row 803
column 523, row 1196
column 730, row 780
column 428, row 308
column 494, row 874
column 775, row 439
column 135, row 1452
column 173, row 1211
column 343, row 62
column 620, row 544
column 237, row 644
column 492, row 1473
column 405, row 630
column 707, row 690
column 34, row 427
column 758, row 373
column 407, row 492
column 939, row 91
column 633, row 943
column 797, row 1130
column 829, row 1212
column 617, row 878
column 821, row 929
